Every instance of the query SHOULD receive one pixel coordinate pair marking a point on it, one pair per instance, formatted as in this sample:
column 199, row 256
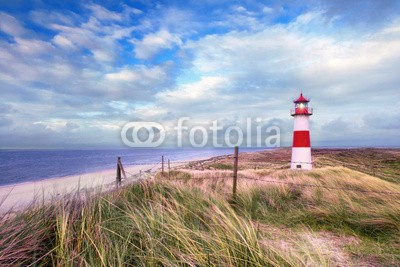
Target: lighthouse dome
column 301, row 99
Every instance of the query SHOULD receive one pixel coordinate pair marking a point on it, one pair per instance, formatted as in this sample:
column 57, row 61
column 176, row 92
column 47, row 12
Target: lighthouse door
column 298, row 166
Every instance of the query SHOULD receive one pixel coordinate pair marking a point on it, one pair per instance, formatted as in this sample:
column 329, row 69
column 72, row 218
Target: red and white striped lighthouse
column 301, row 149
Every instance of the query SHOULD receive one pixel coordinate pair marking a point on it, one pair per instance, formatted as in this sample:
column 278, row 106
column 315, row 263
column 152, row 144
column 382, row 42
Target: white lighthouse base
column 301, row 158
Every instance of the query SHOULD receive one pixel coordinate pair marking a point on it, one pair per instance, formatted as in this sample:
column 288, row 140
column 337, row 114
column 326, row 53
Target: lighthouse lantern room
column 301, row 149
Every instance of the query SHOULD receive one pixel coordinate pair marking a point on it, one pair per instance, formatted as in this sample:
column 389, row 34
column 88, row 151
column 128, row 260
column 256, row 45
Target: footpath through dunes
column 331, row 216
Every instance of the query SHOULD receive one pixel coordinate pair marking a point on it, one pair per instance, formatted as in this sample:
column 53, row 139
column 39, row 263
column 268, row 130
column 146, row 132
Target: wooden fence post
column 162, row 166
column 118, row 179
column 235, row 170
column 169, row 167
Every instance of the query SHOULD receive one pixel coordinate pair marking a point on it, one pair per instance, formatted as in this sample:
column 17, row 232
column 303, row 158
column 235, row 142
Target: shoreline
column 25, row 166
column 15, row 197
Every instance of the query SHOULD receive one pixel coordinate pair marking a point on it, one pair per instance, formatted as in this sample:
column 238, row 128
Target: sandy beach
column 17, row 196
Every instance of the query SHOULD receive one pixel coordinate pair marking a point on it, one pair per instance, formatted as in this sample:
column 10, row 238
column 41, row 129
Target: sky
column 73, row 73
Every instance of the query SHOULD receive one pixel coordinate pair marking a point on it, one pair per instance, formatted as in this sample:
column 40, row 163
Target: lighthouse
column 301, row 149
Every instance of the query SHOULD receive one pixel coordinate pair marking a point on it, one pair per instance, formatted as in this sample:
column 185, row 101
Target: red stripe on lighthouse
column 301, row 139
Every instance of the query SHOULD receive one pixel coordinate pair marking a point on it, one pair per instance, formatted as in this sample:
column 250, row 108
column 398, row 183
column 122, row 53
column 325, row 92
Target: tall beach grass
column 180, row 220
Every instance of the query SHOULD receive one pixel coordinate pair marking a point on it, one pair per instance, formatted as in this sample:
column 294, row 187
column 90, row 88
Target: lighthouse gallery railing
column 300, row 111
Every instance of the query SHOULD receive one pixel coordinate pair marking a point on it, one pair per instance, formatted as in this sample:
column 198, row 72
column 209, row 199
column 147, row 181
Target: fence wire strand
column 289, row 183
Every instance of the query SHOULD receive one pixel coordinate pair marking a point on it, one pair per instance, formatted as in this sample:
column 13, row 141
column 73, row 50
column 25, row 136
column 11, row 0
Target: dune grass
column 180, row 220
column 221, row 166
column 145, row 224
column 372, row 218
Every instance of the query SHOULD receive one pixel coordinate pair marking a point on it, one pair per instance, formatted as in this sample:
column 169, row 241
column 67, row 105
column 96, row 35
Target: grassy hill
column 343, row 213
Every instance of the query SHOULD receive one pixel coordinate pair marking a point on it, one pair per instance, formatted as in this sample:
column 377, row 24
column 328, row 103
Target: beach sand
column 18, row 196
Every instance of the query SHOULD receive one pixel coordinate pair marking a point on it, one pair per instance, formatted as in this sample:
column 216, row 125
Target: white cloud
column 102, row 13
column 260, row 72
column 240, row 9
column 241, row 52
column 153, row 43
column 11, row 25
column 48, row 17
column 267, row 9
column 290, row 58
column 80, row 80
column 32, row 47
column 141, row 74
column 100, row 39
column 103, row 55
column 63, row 42
column 307, row 18
column 130, row 10
column 151, row 112
column 208, row 88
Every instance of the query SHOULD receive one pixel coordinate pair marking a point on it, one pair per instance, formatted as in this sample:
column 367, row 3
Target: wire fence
column 146, row 171
column 151, row 168
column 150, row 163
column 288, row 183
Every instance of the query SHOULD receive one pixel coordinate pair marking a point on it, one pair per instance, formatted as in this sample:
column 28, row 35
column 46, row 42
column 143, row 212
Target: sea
column 18, row 166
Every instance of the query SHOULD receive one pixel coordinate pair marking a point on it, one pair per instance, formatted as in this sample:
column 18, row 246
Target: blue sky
column 73, row 73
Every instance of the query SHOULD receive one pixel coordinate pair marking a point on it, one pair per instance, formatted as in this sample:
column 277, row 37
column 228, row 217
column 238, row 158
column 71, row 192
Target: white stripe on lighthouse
column 301, row 123
column 301, row 158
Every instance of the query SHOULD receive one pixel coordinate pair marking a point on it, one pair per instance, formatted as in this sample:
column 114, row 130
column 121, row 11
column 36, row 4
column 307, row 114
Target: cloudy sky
column 73, row 73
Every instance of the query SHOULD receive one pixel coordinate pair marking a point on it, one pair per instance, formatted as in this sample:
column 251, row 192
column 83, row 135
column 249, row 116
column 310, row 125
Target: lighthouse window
column 298, row 166
column 301, row 105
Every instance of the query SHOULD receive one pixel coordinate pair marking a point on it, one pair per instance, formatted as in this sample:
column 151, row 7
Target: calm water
column 18, row 166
